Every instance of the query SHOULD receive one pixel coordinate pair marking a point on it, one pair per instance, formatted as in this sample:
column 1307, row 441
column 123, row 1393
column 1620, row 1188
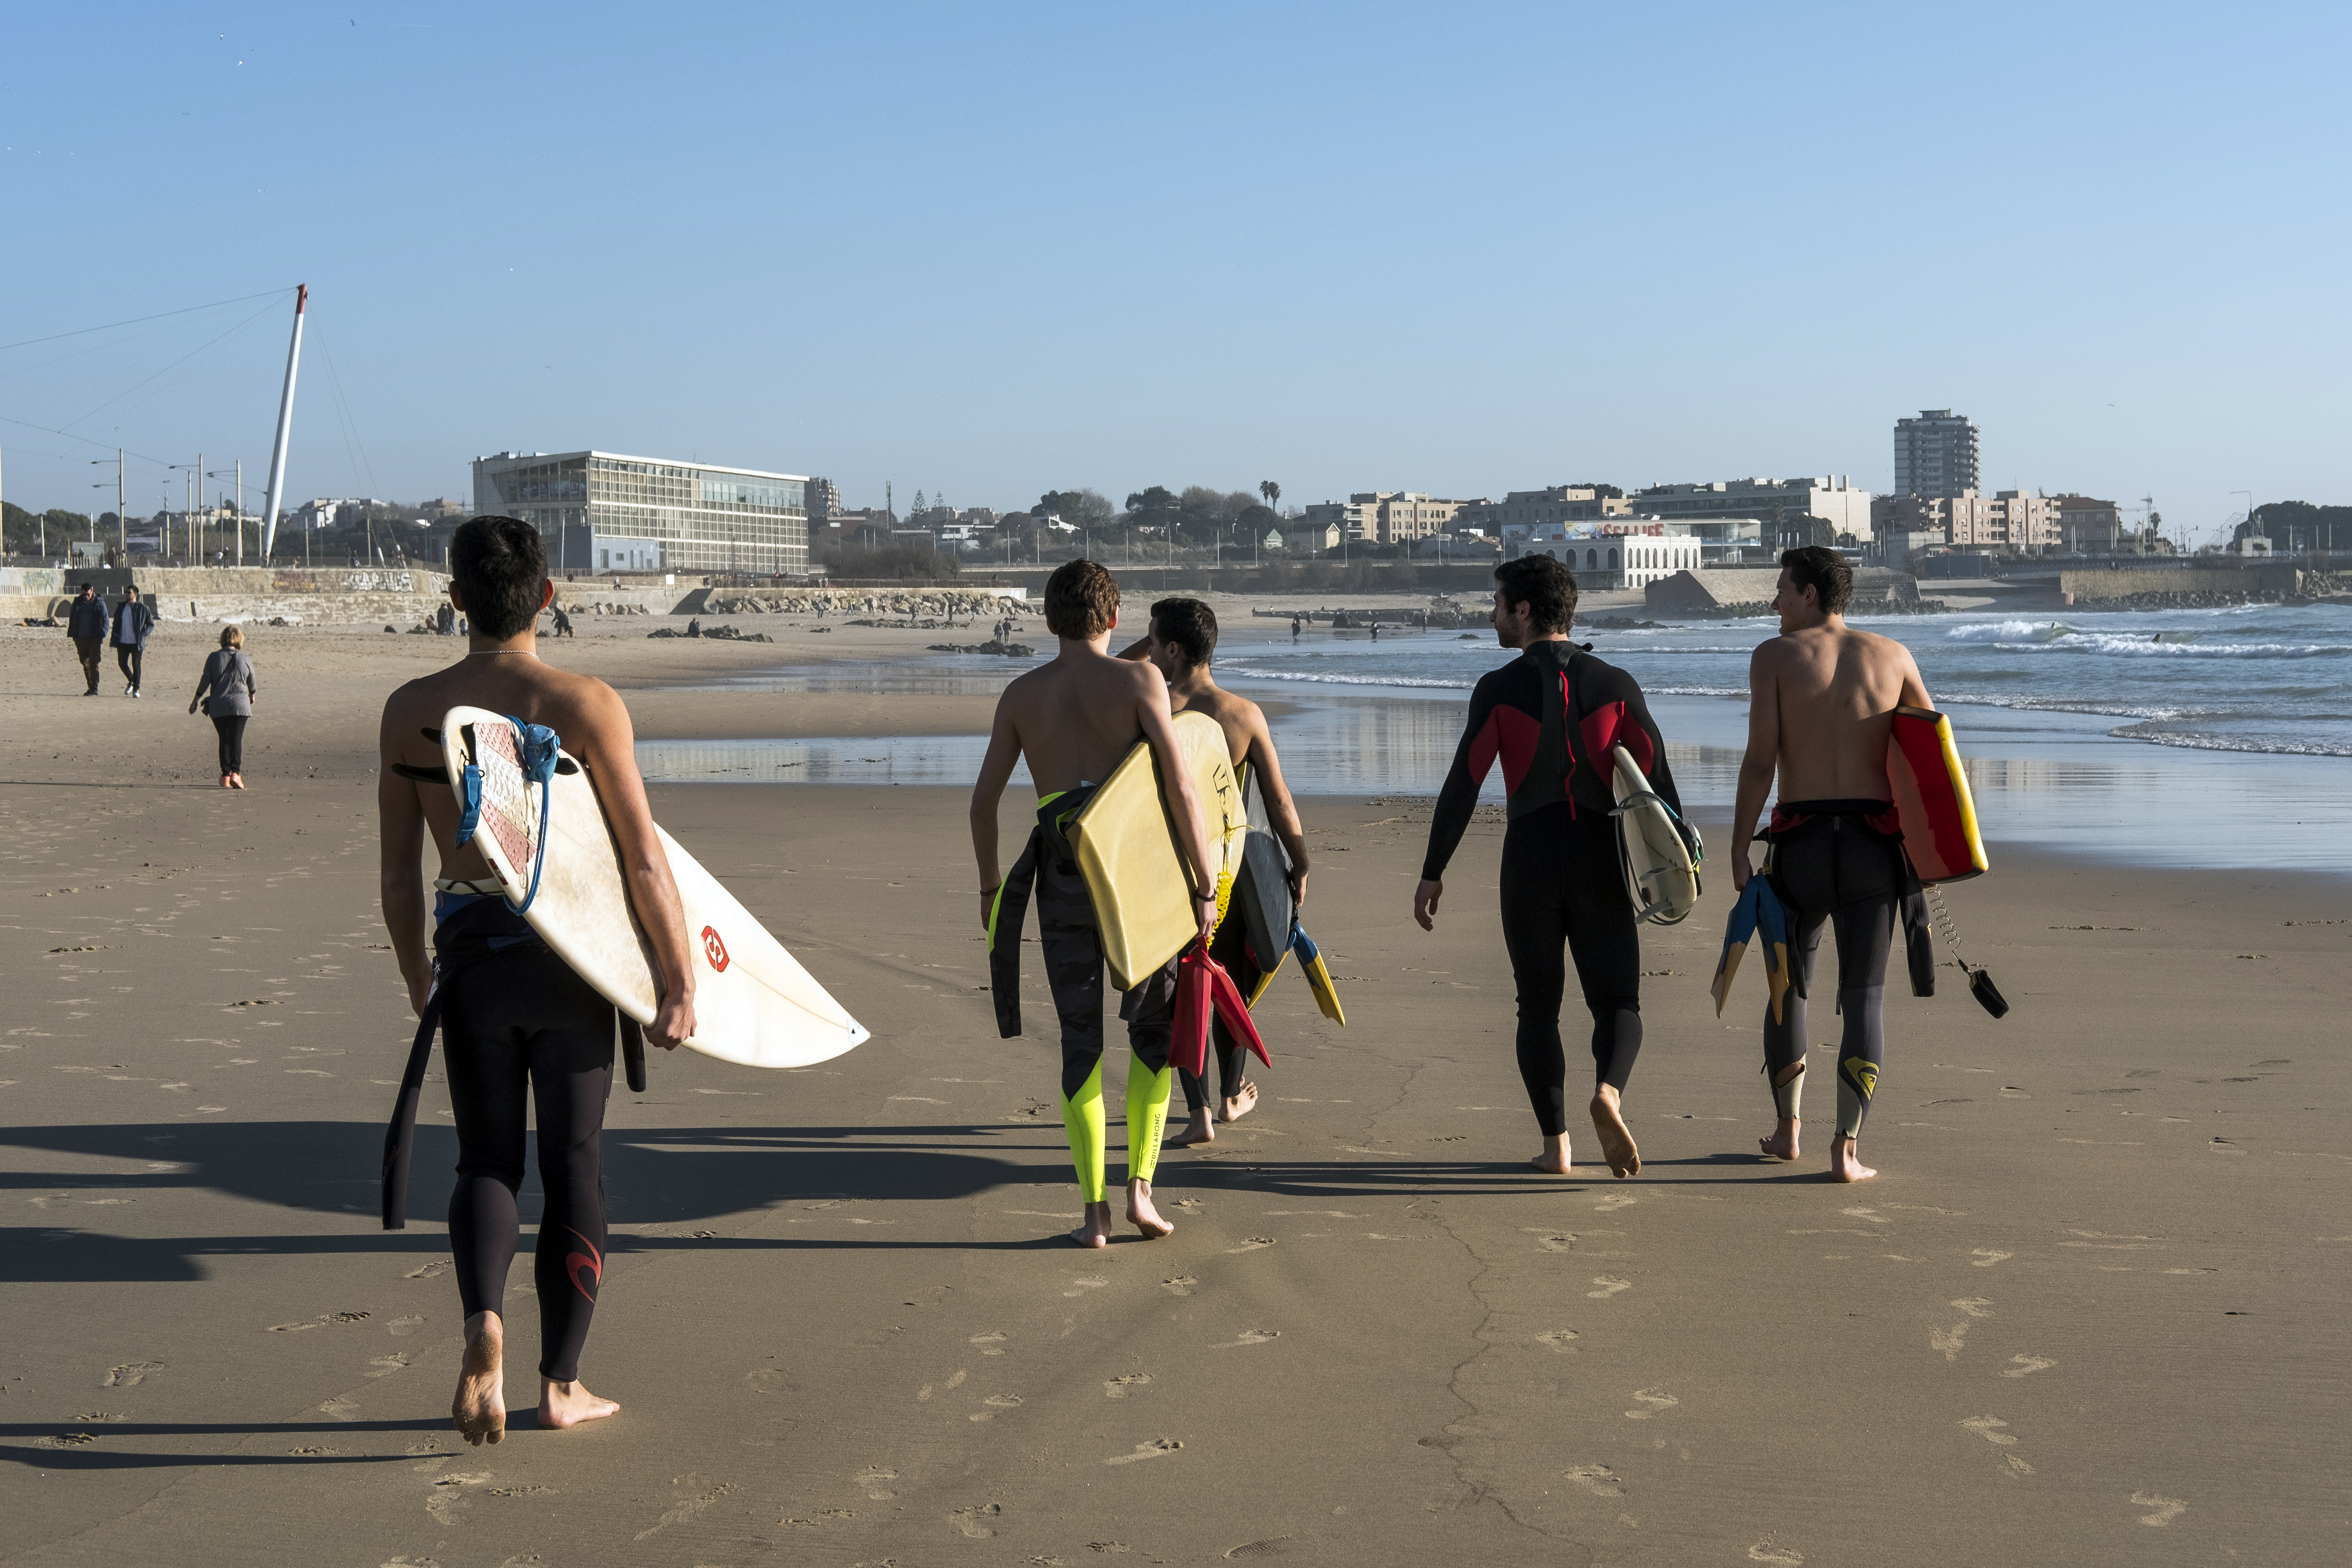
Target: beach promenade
column 2092, row 1311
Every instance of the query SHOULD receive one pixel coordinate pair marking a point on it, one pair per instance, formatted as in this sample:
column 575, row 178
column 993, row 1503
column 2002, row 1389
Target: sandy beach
column 2091, row 1313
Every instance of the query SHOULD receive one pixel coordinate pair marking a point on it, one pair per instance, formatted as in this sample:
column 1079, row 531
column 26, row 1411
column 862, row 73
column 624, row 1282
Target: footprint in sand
column 343, row 1407
column 1250, row 1336
column 990, row 1343
column 1989, row 1427
column 2168, row 1509
column 1598, row 1479
column 872, row 1479
column 1986, row 1257
column 130, row 1373
column 1607, row 1204
column 1609, row 1287
column 1252, row 1244
column 997, row 1404
column 1551, row 1241
column 1081, row 1285
column 1558, row 1339
column 401, row 1328
column 1120, row 1386
column 956, row 1381
column 432, row 1270
column 1158, row 1449
column 1950, row 1341
column 2027, row 1365
column 385, row 1365
column 1975, row 1306
column 1658, row 1403
column 973, row 1521
column 1764, row 1551
column 1181, row 1285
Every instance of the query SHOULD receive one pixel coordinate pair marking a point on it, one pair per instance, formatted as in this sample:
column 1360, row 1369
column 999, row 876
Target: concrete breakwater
column 933, row 602
column 307, row 596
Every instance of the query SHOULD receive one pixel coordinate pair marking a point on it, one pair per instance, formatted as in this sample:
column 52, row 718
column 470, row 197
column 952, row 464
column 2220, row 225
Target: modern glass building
column 599, row 511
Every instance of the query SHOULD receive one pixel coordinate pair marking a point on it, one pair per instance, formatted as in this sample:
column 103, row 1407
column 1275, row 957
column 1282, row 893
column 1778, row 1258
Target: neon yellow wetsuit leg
column 1146, row 1115
column 1082, row 1118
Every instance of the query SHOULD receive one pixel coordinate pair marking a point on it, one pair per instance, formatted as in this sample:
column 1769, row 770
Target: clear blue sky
column 989, row 249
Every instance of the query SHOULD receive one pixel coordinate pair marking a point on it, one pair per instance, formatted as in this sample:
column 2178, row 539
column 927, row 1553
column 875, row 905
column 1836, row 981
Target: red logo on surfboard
column 713, row 948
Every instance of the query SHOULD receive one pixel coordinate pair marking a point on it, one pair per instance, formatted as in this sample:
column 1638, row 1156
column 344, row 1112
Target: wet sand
column 2092, row 1312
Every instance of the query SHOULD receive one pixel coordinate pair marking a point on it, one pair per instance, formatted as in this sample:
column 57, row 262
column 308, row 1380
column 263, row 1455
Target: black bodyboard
column 1262, row 888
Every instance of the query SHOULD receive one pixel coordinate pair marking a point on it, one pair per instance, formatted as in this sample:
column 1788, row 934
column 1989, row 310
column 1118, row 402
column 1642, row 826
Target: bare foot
column 1616, row 1138
column 1845, row 1162
column 1241, row 1104
column 569, row 1404
column 1553, row 1161
column 1201, row 1129
column 1096, row 1231
column 1144, row 1217
column 1782, row 1143
column 479, row 1410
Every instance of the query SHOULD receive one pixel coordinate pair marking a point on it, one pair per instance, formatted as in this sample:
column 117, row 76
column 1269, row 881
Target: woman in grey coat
column 228, row 677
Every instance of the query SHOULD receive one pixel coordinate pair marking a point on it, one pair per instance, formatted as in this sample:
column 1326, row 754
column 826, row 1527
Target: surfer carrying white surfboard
column 1075, row 718
column 516, row 1020
column 1555, row 716
column 1180, row 642
column 1822, row 706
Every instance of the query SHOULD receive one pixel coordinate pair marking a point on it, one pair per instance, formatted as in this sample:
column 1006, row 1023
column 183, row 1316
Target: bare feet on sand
column 1241, row 1104
column 1140, row 1212
column 1201, row 1129
column 564, row 1404
column 1782, row 1143
column 1095, row 1230
column 479, row 1410
column 1616, row 1138
column 1553, row 1161
column 1845, row 1161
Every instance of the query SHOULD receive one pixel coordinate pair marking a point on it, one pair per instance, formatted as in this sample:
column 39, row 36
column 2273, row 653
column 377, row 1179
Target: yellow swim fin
column 1318, row 977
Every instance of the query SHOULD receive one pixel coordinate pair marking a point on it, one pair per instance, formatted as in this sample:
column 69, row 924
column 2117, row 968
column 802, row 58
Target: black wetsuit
column 1838, row 862
column 520, row 1025
column 1560, row 882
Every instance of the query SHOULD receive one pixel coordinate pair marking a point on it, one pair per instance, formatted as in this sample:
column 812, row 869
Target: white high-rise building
column 1935, row 455
column 601, row 511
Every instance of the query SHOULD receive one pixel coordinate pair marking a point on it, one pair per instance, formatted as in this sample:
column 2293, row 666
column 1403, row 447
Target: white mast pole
column 285, row 430
column 239, row 511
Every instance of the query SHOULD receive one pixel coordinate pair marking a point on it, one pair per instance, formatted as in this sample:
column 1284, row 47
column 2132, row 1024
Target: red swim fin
column 1189, row 1052
column 1228, row 997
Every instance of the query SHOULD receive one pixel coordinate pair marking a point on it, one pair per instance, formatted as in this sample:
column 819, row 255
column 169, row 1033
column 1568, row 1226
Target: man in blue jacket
column 86, row 627
column 133, row 623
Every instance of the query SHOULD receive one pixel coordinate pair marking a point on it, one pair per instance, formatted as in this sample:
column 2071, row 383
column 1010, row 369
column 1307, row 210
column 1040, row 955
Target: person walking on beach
column 517, row 1022
column 1181, row 643
column 563, row 619
column 1821, row 702
column 134, row 623
column 1075, row 718
column 1553, row 716
column 228, row 677
column 86, row 629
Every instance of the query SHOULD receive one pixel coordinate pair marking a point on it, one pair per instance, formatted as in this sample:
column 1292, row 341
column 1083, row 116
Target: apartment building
column 1553, row 505
column 1385, row 516
column 1935, row 455
column 1784, row 502
column 2011, row 521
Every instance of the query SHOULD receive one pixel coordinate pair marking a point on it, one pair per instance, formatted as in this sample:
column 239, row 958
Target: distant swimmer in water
column 1075, row 718
column 1821, row 702
column 1181, row 643
column 1553, row 716
column 520, row 1030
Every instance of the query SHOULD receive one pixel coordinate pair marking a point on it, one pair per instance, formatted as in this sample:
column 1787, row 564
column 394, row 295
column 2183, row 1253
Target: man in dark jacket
column 86, row 626
column 134, row 622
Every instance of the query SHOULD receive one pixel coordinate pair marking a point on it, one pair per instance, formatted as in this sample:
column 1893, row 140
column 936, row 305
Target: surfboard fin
column 1318, row 975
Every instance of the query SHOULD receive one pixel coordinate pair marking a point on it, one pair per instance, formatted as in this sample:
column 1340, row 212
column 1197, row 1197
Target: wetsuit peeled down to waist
column 1070, row 938
column 1551, row 717
column 519, row 1030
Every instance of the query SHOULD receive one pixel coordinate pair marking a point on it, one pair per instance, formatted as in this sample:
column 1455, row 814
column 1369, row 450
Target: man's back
column 1076, row 717
column 1836, row 689
column 1242, row 720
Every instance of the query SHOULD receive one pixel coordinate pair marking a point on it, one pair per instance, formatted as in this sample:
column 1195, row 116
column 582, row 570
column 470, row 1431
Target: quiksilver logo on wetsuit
column 713, row 948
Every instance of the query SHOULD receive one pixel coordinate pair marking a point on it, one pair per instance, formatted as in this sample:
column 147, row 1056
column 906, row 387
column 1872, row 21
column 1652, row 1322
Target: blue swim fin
column 1757, row 909
column 1318, row 977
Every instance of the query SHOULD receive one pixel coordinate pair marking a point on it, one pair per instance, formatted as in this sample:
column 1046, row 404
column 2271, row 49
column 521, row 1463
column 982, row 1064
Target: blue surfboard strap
column 535, row 747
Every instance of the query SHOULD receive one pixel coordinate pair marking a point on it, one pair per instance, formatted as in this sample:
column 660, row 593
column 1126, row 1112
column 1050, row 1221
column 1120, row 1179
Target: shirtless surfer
column 511, row 1010
column 1075, row 718
column 1181, row 643
column 1821, row 702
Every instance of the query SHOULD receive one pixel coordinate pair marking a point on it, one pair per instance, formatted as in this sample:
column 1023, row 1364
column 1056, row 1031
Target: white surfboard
column 1658, row 852
column 753, row 1003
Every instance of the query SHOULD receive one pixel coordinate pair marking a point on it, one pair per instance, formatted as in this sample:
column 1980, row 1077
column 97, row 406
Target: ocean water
column 2181, row 737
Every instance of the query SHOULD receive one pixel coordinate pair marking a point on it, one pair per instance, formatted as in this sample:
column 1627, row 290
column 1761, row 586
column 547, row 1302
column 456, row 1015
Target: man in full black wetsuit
column 1552, row 717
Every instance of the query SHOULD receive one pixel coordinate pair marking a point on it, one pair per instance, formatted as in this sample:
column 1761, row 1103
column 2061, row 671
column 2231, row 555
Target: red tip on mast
column 301, row 296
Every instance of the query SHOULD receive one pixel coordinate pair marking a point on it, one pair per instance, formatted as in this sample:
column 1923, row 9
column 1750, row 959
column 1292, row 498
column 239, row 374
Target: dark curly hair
column 1824, row 571
column 1542, row 583
column 499, row 565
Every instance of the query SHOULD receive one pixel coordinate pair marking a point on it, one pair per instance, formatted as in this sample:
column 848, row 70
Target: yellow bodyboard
column 1127, row 850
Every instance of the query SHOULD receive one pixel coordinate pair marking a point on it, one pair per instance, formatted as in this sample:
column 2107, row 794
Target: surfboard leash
column 1981, row 984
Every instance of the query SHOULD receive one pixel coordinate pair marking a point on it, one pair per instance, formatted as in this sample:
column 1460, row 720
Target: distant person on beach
column 521, row 1031
column 1294, row 628
column 694, row 626
column 1553, row 716
column 1181, row 643
column 563, row 621
column 1075, row 718
column 226, row 692
column 134, row 623
column 1821, row 702
column 86, row 629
